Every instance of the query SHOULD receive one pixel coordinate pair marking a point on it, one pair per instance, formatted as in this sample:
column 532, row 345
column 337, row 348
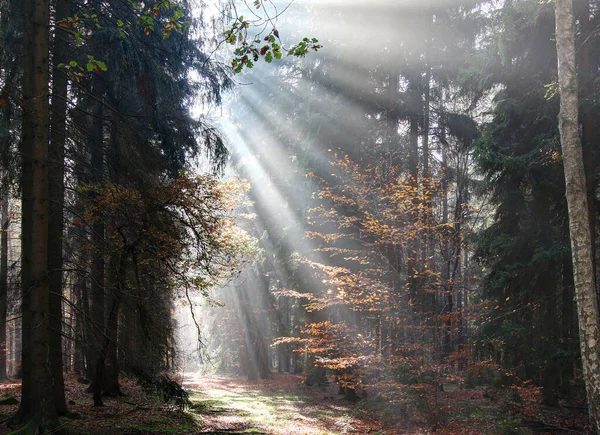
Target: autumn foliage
column 385, row 256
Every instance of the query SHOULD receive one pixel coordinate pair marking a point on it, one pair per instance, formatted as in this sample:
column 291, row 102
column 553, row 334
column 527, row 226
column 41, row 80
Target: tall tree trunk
column 10, row 70
column 110, row 380
column 113, row 314
column 97, row 289
column 3, row 285
column 37, row 406
column 56, row 153
column 79, row 328
column 579, row 225
column 446, row 258
column 413, row 164
column 589, row 133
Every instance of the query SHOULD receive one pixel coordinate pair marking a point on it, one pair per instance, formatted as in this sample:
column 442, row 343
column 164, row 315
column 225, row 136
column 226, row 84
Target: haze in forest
column 318, row 216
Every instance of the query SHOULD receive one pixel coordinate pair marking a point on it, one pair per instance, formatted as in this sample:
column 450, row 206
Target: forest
column 299, row 217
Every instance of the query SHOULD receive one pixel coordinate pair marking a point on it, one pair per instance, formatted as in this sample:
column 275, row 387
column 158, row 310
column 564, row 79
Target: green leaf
column 269, row 57
column 101, row 65
column 277, row 54
column 73, row 63
column 90, row 66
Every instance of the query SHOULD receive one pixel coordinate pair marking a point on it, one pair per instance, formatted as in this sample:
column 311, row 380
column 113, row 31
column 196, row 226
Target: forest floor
column 283, row 405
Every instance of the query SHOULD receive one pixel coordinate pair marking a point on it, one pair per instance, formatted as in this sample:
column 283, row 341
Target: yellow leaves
column 293, row 294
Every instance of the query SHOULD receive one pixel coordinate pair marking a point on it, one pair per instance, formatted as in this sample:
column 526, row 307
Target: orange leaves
column 182, row 227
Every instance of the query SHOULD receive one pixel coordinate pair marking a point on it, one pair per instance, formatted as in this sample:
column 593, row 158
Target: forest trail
column 279, row 405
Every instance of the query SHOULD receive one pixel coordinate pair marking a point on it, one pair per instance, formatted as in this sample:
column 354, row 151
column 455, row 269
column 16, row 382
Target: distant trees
column 438, row 217
column 383, row 238
column 412, row 225
column 103, row 120
column 525, row 249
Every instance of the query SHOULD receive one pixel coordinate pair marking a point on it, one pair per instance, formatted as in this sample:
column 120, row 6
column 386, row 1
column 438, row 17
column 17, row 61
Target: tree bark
column 110, row 380
column 589, row 133
column 3, row 285
column 56, row 205
column 37, row 407
column 97, row 288
column 579, row 225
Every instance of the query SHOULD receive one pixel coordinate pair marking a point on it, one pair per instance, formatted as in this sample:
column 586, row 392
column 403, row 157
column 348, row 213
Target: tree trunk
column 579, row 225
column 97, row 272
column 37, row 407
column 3, row 285
column 413, row 248
column 100, row 363
column 56, row 173
column 110, row 380
column 589, row 133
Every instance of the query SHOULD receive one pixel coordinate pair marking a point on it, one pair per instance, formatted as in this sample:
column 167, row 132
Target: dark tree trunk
column 110, row 380
column 100, row 363
column 56, row 173
column 112, row 318
column 97, row 289
column 3, row 285
column 88, row 329
column 37, row 407
column 79, row 352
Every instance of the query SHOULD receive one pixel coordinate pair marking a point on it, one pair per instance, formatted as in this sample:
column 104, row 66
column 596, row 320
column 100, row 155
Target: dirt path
column 280, row 405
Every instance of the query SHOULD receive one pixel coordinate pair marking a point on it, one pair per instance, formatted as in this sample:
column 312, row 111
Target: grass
column 261, row 412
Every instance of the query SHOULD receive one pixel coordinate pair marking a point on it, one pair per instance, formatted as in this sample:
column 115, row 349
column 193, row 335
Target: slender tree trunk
column 446, row 259
column 37, row 407
column 113, row 314
column 79, row 329
column 88, row 329
column 110, row 380
column 589, row 133
column 413, row 250
column 18, row 366
column 7, row 115
column 97, row 289
column 3, row 285
column 56, row 153
column 567, row 323
column 579, row 225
